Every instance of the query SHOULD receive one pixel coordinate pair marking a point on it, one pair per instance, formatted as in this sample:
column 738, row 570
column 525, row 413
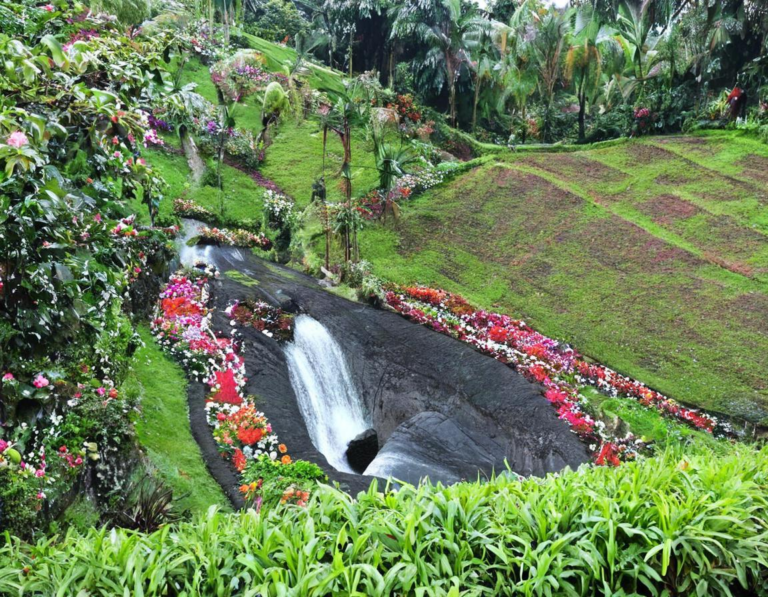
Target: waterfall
column 327, row 397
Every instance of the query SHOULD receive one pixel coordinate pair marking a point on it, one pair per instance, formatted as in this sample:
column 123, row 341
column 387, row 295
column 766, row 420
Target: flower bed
column 269, row 320
column 557, row 366
column 235, row 238
column 182, row 325
column 186, row 208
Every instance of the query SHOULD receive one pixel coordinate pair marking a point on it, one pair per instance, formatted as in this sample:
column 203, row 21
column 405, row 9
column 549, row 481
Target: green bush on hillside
column 676, row 525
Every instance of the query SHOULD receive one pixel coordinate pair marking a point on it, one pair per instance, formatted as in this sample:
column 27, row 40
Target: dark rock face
column 430, row 444
column 362, row 450
column 459, row 413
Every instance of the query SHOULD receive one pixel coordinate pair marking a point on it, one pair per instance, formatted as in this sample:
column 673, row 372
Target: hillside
column 651, row 256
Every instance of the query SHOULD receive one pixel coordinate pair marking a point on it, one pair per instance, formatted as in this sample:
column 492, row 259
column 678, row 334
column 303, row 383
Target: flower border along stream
column 557, row 366
column 182, row 326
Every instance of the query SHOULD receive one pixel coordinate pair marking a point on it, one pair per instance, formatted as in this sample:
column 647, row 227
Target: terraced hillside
column 650, row 256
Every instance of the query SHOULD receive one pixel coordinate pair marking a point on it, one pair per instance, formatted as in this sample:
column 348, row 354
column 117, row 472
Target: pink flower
column 97, row 218
column 137, row 270
column 8, row 377
column 117, row 154
column 49, row 7
column 40, row 381
column 101, row 391
column 3, row 446
column 18, row 140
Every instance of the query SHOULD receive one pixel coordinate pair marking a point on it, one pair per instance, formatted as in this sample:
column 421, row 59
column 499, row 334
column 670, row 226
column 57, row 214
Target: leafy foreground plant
column 675, row 525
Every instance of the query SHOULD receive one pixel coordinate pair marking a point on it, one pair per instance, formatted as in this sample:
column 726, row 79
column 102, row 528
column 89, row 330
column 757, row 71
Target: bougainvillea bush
column 556, row 366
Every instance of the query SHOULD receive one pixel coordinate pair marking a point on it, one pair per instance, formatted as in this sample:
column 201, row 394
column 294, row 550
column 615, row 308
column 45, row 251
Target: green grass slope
column 650, row 256
column 163, row 429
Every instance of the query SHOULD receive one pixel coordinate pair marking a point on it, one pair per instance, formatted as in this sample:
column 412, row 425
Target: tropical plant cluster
column 682, row 524
column 528, row 70
column 556, row 366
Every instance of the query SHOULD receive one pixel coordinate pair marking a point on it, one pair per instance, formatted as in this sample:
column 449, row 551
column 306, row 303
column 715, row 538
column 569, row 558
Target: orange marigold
column 286, row 459
column 283, row 448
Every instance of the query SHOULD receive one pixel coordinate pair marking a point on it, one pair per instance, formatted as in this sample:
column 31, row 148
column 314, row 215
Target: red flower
column 249, row 436
column 227, row 392
column 239, row 460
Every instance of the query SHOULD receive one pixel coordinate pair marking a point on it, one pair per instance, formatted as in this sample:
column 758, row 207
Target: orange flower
column 286, row 459
column 283, row 448
column 244, row 489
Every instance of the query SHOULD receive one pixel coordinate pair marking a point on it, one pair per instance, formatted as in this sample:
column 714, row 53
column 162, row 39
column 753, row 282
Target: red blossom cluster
column 406, row 107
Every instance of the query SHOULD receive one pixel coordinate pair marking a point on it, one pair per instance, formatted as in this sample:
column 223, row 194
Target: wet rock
column 435, row 446
column 414, row 383
column 362, row 450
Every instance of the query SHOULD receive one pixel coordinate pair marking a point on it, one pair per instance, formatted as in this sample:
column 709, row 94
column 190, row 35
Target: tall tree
column 445, row 28
column 548, row 47
column 593, row 53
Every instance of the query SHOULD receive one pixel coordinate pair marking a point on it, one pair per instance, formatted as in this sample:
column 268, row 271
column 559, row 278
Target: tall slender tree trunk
column 582, row 110
column 451, row 89
column 478, row 82
column 391, row 81
column 325, row 205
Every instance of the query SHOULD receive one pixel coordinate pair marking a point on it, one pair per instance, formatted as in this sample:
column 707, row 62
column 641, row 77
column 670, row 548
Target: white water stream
column 327, row 397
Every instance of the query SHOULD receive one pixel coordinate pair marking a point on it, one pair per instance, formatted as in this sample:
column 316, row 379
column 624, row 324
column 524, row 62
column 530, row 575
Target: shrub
column 279, row 482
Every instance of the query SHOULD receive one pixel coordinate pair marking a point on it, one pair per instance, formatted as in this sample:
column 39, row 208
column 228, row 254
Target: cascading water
column 328, row 399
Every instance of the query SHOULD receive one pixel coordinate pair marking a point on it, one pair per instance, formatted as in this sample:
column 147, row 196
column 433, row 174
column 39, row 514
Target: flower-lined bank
column 183, row 327
column 557, row 366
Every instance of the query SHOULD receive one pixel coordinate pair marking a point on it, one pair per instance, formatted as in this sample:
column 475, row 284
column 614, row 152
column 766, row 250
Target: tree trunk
column 582, row 109
column 451, row 90
column 474, row 105
column 325, row 204
column 391, row 81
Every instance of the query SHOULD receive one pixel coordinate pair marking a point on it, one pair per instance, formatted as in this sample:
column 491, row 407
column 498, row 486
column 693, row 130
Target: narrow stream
column 327, row 397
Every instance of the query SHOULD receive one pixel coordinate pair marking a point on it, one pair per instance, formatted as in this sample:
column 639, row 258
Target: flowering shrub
column 241, row 75
column 406, row 108
column 278, row 210
column 206, row 42
column 269, row 320
column 554, row 365
column 235, row 238
column 643, row 121
column 268, row 482
column 186, row 208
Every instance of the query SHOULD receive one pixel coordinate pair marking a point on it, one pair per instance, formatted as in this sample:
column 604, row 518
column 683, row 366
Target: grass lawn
column 163, row 428
column 643, row 259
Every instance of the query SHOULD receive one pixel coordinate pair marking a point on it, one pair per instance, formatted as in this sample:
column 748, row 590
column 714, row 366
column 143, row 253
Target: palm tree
column 548, row 48
column 486, row 54
column 515, row 70
column 594, row 51
column 446, row 31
